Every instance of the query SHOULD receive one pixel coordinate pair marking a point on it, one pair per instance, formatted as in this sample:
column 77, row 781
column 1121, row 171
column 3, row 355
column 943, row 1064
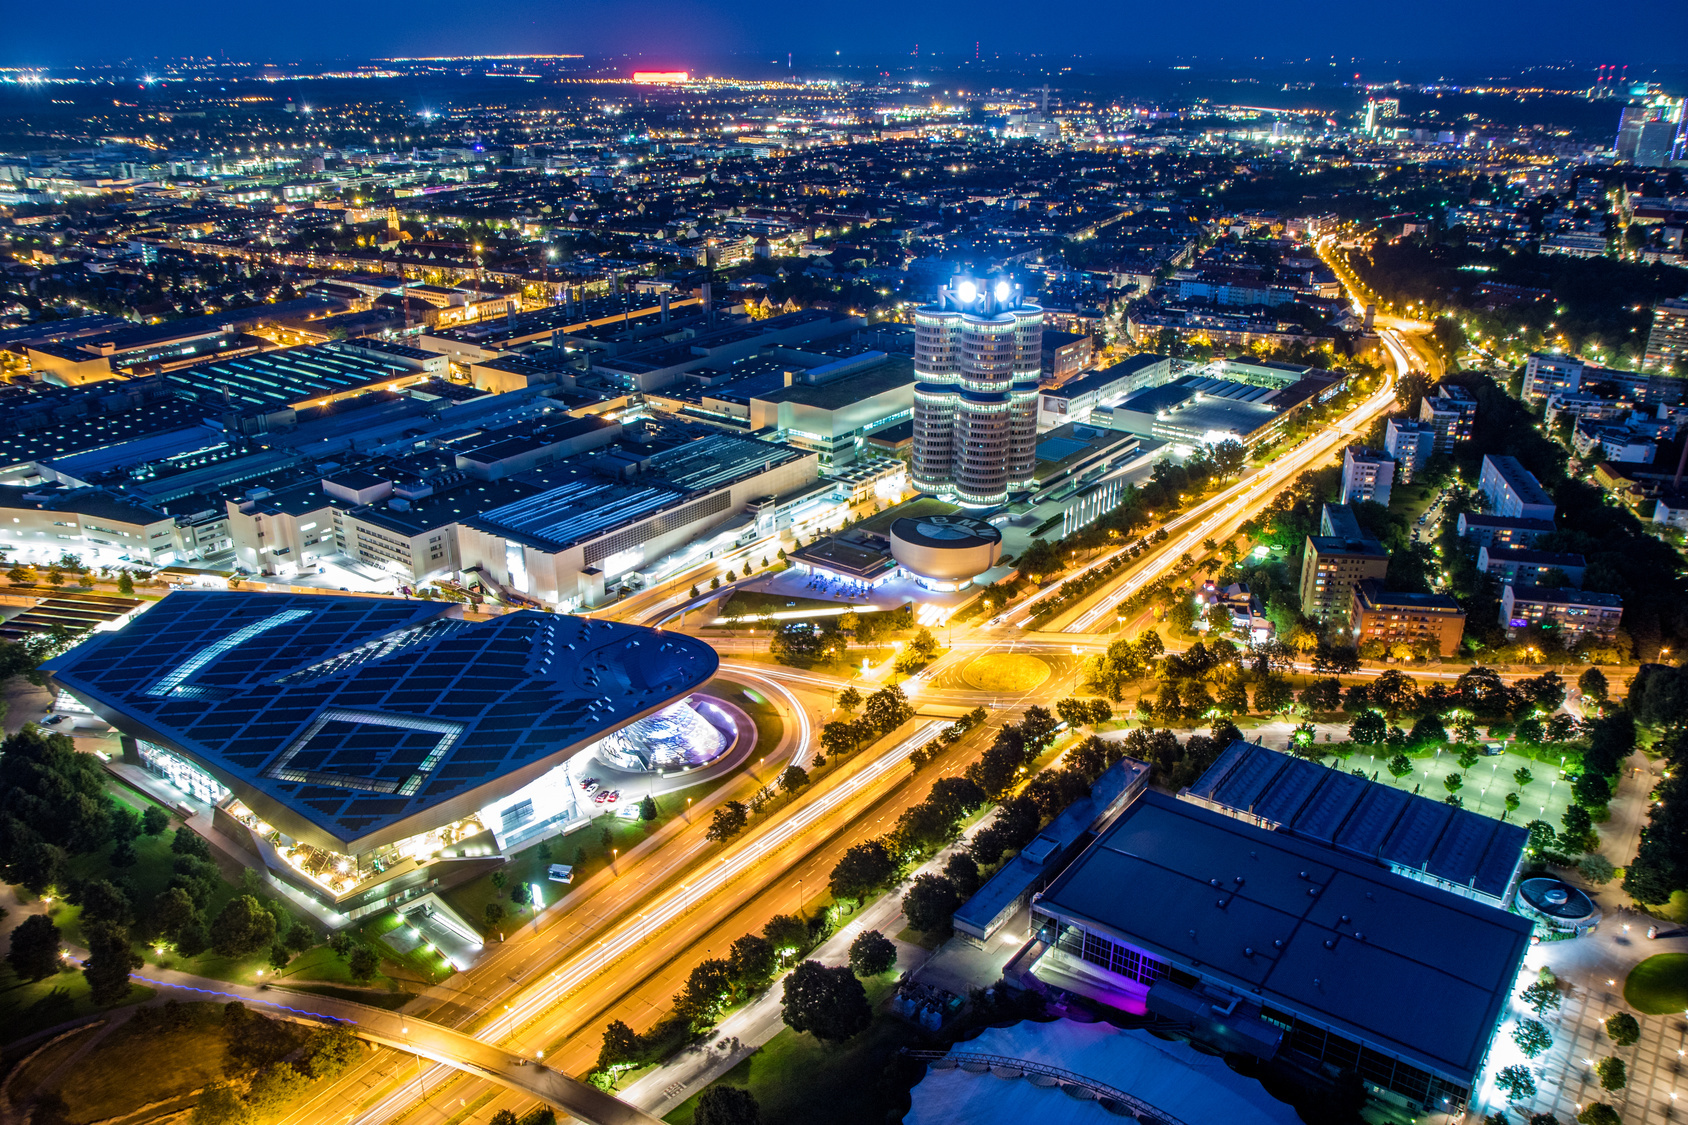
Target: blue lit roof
column 351, row 722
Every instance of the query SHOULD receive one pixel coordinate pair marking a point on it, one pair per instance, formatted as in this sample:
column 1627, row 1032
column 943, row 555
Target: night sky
column 704, row 33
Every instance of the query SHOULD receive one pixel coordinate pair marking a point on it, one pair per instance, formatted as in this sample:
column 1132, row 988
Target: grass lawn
column 27, row 1007
column 1005, row 671
column 134, row 1066
column 754, row 602
column 1659, row 985
column 797, row 1078
column 29, row 1077
column 925, row 506
column 1411, row 500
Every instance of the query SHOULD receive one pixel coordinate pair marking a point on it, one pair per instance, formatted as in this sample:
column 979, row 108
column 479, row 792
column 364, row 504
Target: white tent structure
column 1181, row 1085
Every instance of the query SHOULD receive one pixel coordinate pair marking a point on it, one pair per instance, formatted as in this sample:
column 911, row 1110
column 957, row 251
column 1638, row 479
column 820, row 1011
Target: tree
column 279, row 956
column 1517, row 1083
column 930, row 903
column 963, row 871
column 1599, row 1113
column 727, row 1105
column 752, row 962
column 1592, row 685
column 1532, row 1037
column 1597, row 869
column 887, row 709
column 493, row 914
column 1543, row 996
column 1101, row 711
column 1522, row 776
column 329, row 1051
column 1367, row 729
column 154, row 820
column 1400, row 765
column 274, row 1089
column 364, row 962
column 220, row 1105
column 1428, row 731
column 849, row 699
column 522, row 893
column 705, row 992
column 793, row 779
column 34, row 954
column 872, row 953
column 730, row 819
column 622, row 1047
column 647, row 808
column 1613, row 1075
column 1623, row 1029
column 839, row 738
column 1453, row 782
column 1322, row 695
column 1272, row 695
column 109, row 962
column 861, row 869
column 787, row 933
column 829, row 1003
column 242, row 928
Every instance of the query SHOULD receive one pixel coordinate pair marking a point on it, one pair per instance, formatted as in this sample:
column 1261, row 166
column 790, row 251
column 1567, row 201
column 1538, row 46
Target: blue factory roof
column 1363, row 818
column 351, row 722
column 1416, row 971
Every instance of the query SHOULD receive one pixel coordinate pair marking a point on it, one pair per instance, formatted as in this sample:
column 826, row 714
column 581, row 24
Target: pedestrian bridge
column 472, row 1056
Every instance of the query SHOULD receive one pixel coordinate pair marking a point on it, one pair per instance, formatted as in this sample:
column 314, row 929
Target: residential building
column 1611, row 442
column 1512, row 490
column 1433, row 622
column 1332, row 565
column 1575, row 615
column 1551, row 374
column 1523, row 566
column 1501, row 531
column 1667, row 340
column 1671, row 509
column 977, row 359
column 1451, row 412
column 1367, row 474
column 1411, row 444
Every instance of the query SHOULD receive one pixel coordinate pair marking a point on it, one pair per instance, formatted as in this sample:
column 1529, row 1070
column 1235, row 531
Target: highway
column 620, row 949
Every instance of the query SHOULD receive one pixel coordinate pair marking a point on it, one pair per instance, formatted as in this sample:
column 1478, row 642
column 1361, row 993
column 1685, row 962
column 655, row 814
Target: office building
column 1091, row 397
column 1526, row 567
column 1064, row 355
column 1451, row 412
column 1367, row 474
column 1434, row 623
column 976, row 361
column 1574, row 615
column 368, row 750
column 1667, row 340
column 1269, row 944
column 1333, row 563
column 1410, row 443
column 1512, row 490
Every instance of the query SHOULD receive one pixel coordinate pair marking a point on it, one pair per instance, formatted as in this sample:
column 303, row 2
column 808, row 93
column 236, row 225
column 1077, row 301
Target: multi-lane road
column 620, row 946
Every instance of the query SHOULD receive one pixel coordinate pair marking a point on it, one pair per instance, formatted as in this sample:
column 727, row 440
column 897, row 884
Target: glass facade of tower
column 977, row 354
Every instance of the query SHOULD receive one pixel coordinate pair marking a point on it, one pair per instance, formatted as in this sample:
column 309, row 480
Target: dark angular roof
column 1415, row 970
column 348, row 722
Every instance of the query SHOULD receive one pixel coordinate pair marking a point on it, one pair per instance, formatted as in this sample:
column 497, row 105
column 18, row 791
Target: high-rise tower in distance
column 977, row 354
